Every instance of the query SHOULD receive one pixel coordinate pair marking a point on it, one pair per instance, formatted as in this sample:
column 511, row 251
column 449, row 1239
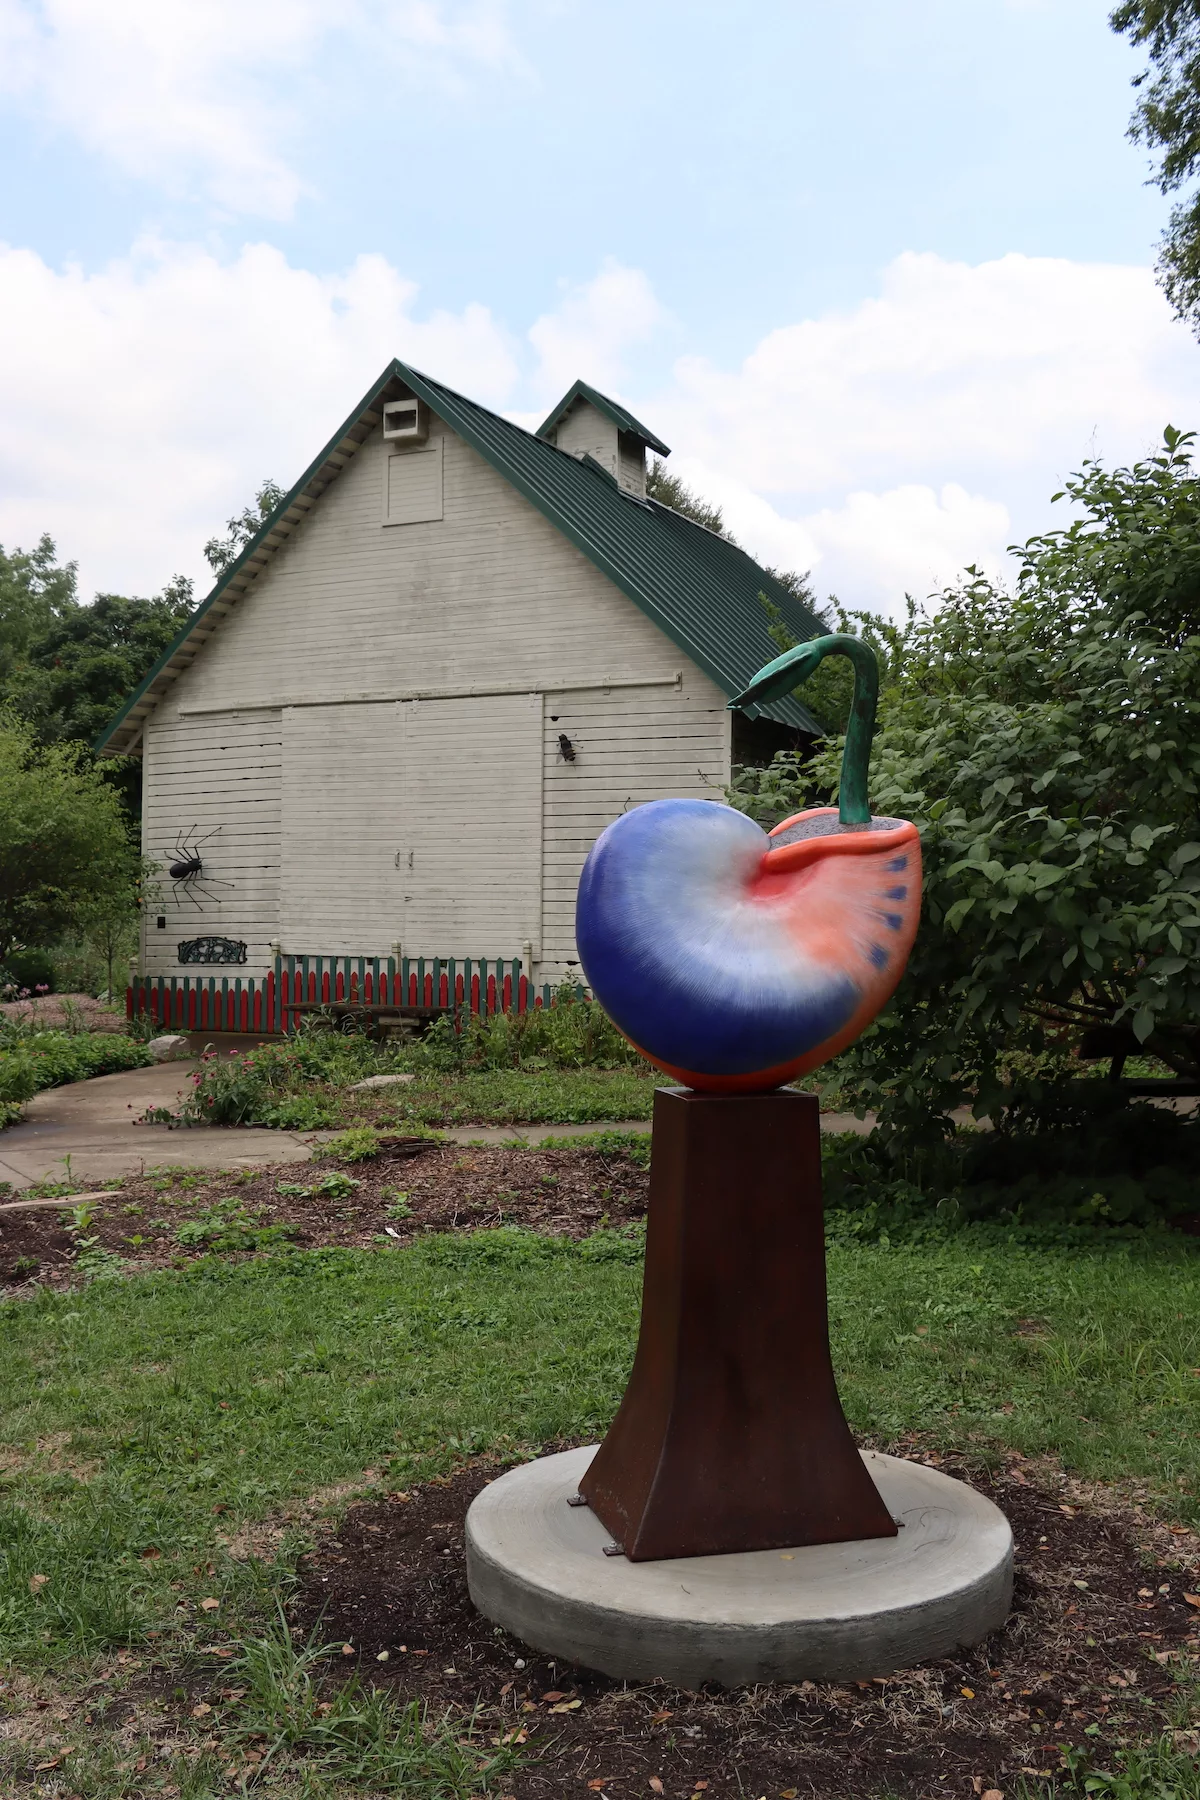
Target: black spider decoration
column 187, row 868
column 566, row 748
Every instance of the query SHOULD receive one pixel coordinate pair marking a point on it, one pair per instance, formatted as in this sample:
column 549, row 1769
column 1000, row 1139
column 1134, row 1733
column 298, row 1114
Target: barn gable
column 423, row 691
column 699, row 589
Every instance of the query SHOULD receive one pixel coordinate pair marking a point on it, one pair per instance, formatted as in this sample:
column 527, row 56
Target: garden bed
column 1098, row 1641
column 416, row 1185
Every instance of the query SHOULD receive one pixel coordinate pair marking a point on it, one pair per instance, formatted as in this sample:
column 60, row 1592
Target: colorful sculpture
column 735, row 959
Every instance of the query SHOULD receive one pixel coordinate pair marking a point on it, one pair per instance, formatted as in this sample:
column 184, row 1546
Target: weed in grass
column 336, row 1186
column 355, row 1145
column 229, row 1226
column 358, row 1735
column 1157, row 1771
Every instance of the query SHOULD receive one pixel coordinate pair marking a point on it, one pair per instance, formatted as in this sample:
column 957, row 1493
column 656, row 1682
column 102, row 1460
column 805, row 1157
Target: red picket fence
column 270, row 1005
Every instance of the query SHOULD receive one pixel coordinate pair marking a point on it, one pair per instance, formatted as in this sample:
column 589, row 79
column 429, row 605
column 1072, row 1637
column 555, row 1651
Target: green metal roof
column 698, row 588
column 623, row 420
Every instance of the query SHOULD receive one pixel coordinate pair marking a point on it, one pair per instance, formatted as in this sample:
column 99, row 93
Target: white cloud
column 592, row 330
column 928, row 426
column 185, row 93
column 144, row 403
column 884, row 447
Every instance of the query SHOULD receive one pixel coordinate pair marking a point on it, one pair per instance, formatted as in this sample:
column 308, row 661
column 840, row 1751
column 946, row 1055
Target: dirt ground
column 448, row 1187
column 1099, row 1637
column 52, row 1012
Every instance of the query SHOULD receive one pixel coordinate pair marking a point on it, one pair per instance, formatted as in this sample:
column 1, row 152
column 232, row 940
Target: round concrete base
column 826, row 1612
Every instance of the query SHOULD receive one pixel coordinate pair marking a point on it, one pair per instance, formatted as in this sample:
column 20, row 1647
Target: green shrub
column 33, row 1060
column 29, row 971
column 1113, row 1166
column 573, row 1033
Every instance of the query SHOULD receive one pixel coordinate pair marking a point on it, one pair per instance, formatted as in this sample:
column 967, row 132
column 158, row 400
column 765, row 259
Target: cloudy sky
column 881, row 275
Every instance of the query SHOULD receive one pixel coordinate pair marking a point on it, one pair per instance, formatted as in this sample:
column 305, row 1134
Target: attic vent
column 405, row 422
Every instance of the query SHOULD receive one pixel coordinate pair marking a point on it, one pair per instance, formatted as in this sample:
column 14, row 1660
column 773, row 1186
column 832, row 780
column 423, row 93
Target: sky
column 881, row 276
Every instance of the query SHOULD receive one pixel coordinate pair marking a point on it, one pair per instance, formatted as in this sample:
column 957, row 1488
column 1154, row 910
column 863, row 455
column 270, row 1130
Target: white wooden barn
column 455, row 651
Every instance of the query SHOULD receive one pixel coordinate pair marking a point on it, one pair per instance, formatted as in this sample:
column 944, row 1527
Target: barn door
column 470, row 850
column 343, row 807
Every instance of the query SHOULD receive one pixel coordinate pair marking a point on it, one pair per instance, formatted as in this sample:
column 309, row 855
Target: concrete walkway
column 93, row 1124
column 87, row 1132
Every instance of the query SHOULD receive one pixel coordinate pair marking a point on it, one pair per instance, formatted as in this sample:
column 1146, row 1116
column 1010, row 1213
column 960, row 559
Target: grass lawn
column 146, row 1420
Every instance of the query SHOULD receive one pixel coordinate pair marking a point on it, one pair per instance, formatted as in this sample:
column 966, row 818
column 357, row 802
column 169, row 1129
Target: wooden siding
column 412, row 485
column 415, row 823
column 631, row 745
column 491, row 597
column 221, row 774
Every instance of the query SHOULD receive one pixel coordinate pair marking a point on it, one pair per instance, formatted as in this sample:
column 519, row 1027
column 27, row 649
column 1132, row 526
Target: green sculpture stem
column 853, row 806
column 795, row 666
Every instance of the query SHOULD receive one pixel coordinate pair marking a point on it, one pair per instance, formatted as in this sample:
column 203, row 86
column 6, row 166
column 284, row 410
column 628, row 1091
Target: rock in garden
column 374, row 1081
column 170, row 1048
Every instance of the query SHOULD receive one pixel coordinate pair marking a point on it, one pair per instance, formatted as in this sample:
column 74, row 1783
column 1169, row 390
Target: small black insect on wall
column 212, row 950
column 185, row 866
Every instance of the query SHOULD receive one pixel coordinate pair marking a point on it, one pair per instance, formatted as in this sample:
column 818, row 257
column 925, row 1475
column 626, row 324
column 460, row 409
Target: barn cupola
column 586, row 423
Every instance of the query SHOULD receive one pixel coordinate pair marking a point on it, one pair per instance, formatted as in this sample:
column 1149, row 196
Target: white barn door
column 416, row 821
column 471, row 859
column 343, row 807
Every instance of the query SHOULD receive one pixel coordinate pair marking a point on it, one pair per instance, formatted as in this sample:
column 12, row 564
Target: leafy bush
column 29, row 971
column 33, row 1060
column 266, row 1086
column 573, row 1033
column 1125, row 1167
column 1047, row 744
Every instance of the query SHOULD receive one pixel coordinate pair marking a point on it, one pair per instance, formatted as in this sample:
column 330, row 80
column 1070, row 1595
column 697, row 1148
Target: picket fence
column 269, row 1005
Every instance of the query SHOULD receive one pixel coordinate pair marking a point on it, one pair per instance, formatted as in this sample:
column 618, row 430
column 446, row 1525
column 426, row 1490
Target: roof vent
column 406, row 421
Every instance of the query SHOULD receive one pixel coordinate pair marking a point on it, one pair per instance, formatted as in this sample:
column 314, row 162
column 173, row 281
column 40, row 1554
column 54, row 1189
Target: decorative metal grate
column 212, row 950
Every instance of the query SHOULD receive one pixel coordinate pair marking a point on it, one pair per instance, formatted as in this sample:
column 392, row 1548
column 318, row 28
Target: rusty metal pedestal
column 731, row 1436
column 730, row 1449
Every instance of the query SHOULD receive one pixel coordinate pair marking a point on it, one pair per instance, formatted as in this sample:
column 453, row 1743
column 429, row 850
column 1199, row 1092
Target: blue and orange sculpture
column 737, row 960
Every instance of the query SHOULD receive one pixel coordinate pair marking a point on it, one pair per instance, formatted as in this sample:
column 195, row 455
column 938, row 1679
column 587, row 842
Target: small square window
column 161, row 923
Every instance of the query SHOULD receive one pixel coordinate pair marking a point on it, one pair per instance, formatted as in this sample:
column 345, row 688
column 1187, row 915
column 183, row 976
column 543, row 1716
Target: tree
column 64, row 846
column 1167, row 120
column 1047, row 743
column 670, row 491
column 34, row 591
column 87, row 661
column 223, row 552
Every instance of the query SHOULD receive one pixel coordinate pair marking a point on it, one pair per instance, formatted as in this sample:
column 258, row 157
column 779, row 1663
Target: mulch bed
column 56, row 1012
column 449, row 1187
column 1098, row 1634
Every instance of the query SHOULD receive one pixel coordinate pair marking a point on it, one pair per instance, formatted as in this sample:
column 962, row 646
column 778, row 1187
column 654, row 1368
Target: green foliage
column 1047, row 743
column 63, row 839
column 351, row 1733
column 1167, row 120
column 355, row 1145
column 66, row 668
column 82, row 668
column 33, row 1060
column 28, row 971
column 1108, row 1168
column 228, row 1225
column 573, row 1033
column 222, row 553
column 829, row 690
column 1157, row 1771
column 670, row 491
